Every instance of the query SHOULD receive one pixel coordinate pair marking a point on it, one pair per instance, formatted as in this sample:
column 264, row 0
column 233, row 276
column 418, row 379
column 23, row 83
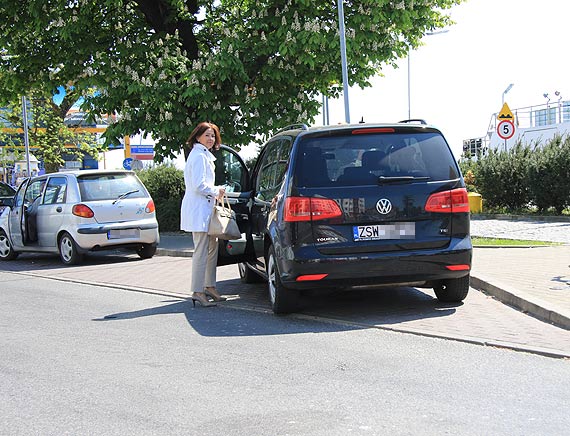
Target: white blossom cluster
column 401, row 4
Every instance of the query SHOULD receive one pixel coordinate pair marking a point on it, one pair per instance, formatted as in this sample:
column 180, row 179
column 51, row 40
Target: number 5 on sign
column 506, row 129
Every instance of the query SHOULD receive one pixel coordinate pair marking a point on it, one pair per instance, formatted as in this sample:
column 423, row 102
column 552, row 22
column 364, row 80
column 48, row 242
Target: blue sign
column 142, row 149
column 128, row 163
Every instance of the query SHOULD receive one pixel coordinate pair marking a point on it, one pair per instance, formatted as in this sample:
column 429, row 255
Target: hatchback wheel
column 68, row 251
column 282, row 299
column 452, row 290
column 146, row 251
column 247, row 275
column 6, row 250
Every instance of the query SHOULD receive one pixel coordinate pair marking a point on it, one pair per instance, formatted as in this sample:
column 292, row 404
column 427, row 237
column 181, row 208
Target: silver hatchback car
column 72, row 213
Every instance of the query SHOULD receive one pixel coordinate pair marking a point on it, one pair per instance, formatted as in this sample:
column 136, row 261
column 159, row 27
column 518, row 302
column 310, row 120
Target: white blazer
column 200, row 196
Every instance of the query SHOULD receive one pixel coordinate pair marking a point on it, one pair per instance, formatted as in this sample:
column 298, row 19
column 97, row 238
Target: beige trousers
column 204, row 261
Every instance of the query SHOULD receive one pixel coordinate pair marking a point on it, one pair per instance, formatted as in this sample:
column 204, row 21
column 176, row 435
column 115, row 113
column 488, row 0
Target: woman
column 197, row 206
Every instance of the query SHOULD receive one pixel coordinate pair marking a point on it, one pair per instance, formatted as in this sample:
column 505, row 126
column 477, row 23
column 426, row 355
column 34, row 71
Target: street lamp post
column 409, row 89
column 26, row 137
column 507, row 90
column 557, row 94
column 343, row 60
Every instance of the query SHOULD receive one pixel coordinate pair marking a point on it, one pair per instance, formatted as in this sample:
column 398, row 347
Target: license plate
column 123, row 234
column 384, row 231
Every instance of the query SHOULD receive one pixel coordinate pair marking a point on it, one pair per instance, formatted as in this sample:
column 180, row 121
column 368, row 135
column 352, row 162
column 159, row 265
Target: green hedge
column 549, row 175
column 525, row 176
column 165, row 184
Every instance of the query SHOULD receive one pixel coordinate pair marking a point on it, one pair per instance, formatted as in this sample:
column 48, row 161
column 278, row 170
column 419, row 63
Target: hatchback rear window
column 110, row 187
column 361, row 159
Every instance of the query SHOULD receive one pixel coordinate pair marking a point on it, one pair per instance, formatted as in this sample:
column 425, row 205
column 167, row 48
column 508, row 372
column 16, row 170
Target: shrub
column 549, row 175
column 502, row 177
column 468, row 169
column 165, row 184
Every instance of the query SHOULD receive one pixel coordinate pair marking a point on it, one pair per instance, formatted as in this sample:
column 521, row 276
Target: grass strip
column 484, row 242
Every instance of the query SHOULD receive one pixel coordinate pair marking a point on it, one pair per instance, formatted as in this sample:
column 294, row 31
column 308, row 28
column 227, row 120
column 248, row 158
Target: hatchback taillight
column 453, row 201
column 310, row 209
column 149, row 207
column 82, row 210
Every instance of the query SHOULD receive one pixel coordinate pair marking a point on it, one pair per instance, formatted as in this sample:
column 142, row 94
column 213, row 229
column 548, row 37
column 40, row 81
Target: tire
column 247, row 275
column 68, row 251
column 146, row 251
column 452, row 290
column 282, row 299
column 6, row 250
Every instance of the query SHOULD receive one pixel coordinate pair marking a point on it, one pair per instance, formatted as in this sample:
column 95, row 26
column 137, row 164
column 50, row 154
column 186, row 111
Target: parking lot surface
column 481, row 319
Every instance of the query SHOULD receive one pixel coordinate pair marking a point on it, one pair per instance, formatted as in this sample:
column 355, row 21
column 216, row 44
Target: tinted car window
column 229, row 171
column 361, row 159
column 55, row 190
column 272, row 169
column 109, row 186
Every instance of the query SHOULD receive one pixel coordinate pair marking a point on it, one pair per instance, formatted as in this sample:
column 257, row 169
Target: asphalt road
column 480, row 320
column 80, row 359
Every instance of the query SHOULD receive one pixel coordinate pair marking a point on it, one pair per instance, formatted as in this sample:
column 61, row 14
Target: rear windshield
column 110, row 187
column 361, row 159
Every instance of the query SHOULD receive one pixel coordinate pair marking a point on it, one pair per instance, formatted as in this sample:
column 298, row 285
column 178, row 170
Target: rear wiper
column 120, row 197
column 396, row 179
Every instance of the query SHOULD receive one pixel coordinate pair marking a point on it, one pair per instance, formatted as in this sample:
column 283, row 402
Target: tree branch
column 161, row 16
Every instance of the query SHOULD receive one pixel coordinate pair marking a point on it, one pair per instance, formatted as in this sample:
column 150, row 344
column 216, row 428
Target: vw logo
column 383, row 206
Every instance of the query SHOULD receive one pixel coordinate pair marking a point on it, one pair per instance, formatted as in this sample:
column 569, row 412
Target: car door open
column 232, row 173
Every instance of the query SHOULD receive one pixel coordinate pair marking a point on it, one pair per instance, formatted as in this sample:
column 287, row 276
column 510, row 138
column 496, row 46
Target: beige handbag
column 223, row 222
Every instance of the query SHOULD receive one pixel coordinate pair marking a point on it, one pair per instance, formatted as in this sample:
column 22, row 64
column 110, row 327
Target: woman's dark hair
column 199, row 131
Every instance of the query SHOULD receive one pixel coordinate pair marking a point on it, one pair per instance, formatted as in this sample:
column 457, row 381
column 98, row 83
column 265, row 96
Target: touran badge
column 383, row 206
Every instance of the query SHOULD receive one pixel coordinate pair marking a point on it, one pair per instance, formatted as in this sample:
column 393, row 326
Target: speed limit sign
column 506, row 129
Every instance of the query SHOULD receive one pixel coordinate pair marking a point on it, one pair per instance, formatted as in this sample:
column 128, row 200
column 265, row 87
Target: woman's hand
column 221, row 192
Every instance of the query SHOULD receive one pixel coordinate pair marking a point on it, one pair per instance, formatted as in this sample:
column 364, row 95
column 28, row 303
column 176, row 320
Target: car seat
column 372, row 160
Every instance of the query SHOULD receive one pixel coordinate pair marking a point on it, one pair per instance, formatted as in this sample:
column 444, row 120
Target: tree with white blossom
column 164, row 65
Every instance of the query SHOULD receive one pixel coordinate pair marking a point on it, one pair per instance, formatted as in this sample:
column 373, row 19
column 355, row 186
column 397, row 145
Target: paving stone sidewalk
column 535, row 280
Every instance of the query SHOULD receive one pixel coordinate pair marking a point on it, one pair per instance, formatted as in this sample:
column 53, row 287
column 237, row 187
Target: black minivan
column 349, row 205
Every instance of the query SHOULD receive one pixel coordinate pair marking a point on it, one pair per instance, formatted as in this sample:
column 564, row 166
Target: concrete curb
column 532, row 306
column 174, row 253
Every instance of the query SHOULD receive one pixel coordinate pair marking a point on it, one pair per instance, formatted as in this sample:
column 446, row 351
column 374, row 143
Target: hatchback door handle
column 58, row 209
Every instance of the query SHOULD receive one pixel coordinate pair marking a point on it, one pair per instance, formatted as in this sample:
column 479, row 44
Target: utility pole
column 26, row 137
column 343, row 60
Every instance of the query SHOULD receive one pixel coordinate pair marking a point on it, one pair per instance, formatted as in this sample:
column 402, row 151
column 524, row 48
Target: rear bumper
column 96, row 229
column 373, row 268
column 99, row 241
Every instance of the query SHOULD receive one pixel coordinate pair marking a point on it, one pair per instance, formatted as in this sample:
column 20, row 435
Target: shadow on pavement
column 218, row 321
column 366, row 307
column 379, row 305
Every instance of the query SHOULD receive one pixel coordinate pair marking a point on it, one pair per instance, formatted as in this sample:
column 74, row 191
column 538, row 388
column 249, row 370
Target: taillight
column 462, row 267
column 453, row 201
column 311, row 277
column 82, row 210
column 310, row 209
column 149, row 207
